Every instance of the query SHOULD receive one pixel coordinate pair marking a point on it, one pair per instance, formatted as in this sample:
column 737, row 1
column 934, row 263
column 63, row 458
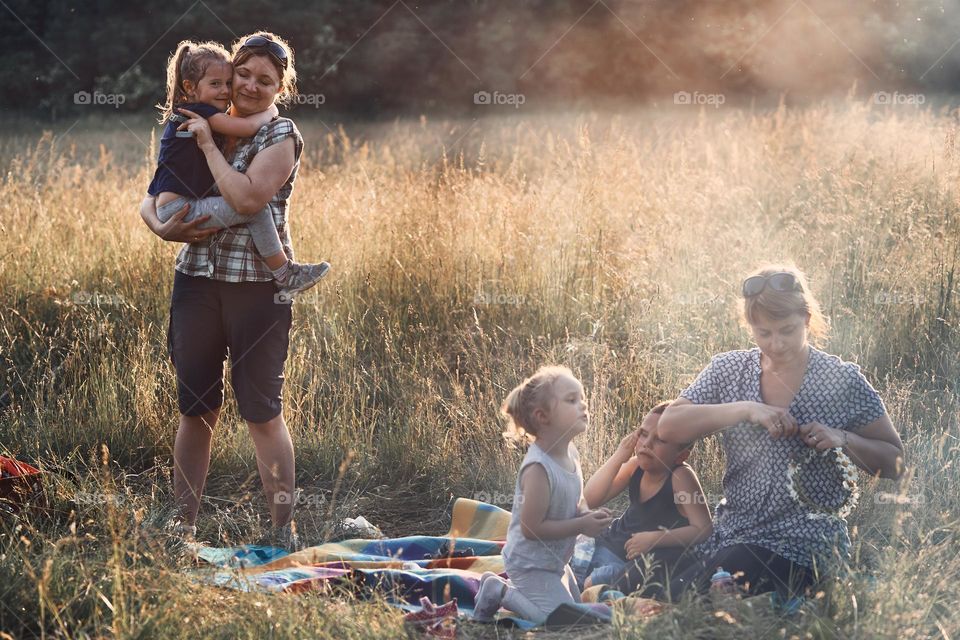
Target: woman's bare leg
column 275, row 461
column 191, row 461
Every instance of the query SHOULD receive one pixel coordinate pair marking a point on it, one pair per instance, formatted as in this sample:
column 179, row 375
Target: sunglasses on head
column 782, row 281
column 272, row 47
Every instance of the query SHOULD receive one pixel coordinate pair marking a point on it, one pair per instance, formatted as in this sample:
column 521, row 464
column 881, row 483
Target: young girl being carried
column 199, row 78
column 548, row 408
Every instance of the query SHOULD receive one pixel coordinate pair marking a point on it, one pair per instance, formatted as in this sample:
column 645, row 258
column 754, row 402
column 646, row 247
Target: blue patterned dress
column 757, row 507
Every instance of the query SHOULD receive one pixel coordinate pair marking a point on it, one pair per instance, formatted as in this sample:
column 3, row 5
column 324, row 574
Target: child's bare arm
column 612, row 478
column 242, row 127
column 535, row 489
column 692, row 505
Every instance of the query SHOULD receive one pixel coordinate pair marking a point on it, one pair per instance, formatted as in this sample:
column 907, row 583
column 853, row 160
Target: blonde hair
column 288, row 74
column 536, row 392
column 779, row 305
column 189, row 61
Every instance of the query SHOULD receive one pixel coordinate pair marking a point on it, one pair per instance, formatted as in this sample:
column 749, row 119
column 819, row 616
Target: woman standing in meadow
column 772, row 404
column 223, row 293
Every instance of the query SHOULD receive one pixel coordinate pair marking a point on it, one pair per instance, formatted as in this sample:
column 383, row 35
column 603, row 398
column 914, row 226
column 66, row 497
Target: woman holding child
column 224, row 292
column 771, row 404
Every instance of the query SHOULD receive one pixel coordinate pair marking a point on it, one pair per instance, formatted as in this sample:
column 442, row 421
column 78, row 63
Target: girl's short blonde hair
column 536, row 392
column 779, row 305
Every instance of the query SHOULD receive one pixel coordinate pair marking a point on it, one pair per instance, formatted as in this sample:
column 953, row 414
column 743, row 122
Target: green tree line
column 374, row 56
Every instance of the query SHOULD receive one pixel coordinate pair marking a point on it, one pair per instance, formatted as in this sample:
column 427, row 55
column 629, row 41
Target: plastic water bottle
column 582, row 557
column 722, row 588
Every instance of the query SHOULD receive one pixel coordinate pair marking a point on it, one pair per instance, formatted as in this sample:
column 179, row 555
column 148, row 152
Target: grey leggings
column 262, row 230
column 535, row 593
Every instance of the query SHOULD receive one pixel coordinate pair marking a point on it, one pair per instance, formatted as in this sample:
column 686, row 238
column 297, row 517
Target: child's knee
column 167, row 211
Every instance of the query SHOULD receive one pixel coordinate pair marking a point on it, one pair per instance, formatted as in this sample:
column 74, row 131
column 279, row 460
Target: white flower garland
column 847, row 469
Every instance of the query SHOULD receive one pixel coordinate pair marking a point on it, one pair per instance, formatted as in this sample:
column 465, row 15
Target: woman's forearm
column 174, row 229
column 876, row 457
column 689, row 422
column 148, row 213
column 235, row 187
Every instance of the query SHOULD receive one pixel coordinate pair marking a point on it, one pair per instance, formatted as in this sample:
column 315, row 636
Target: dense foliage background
column 368, row 57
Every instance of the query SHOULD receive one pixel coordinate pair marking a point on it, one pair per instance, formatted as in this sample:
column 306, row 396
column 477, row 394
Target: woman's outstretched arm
column 684, row 421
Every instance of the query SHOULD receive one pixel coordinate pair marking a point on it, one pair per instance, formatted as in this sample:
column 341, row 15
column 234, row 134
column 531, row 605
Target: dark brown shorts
column 208, row 320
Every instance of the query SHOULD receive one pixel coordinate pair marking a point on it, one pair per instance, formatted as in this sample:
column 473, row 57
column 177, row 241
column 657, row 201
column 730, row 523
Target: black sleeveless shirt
column 659, row 512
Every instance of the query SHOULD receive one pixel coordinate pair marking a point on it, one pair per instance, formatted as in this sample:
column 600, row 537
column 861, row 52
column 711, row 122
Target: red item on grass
column 18, row 481
column 435, row 621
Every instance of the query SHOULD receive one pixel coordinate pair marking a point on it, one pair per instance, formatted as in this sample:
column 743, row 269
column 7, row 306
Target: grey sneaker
column 302, row 276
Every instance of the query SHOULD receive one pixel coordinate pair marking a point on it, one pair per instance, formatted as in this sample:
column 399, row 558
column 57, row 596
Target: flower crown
column 848, row 471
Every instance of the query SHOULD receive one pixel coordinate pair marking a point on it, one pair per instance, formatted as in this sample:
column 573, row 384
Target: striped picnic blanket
column 395, row 568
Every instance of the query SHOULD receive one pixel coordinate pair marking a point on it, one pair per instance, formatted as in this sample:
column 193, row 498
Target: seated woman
column 771, row 404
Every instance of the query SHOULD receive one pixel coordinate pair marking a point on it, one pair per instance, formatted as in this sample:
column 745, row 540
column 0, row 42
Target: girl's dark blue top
column 182, row 167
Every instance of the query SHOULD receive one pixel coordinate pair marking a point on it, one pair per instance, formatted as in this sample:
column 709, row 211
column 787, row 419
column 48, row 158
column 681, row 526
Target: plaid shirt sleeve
column 230, row 255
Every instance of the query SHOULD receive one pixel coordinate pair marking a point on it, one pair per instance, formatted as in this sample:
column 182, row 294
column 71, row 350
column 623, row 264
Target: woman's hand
column 174, row 229
column 200, row 128
column 776, row 420
column 640, row 543
column 821, row 437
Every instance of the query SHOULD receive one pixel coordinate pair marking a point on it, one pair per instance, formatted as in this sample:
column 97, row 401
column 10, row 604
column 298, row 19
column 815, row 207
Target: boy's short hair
column 658, row 410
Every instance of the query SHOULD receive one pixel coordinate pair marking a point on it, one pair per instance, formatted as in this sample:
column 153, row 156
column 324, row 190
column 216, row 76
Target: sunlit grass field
column 465, row 254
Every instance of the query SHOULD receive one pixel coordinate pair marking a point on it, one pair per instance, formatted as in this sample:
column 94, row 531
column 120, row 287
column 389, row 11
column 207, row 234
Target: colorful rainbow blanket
column 402, row 570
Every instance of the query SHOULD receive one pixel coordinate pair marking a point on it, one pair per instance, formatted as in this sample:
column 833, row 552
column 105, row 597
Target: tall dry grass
column 465, row 255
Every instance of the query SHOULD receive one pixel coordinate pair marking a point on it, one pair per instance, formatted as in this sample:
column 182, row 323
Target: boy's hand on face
column 640, row 543
column 628, row 446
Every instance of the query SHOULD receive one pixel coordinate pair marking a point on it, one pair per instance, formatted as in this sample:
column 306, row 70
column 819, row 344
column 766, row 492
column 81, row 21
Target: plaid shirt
column 230, row 255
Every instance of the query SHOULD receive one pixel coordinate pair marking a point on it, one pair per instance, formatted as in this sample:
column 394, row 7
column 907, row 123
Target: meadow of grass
column 465, row 255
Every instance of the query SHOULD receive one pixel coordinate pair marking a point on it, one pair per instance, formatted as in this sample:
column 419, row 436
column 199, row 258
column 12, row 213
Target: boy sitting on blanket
column 668, row 513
